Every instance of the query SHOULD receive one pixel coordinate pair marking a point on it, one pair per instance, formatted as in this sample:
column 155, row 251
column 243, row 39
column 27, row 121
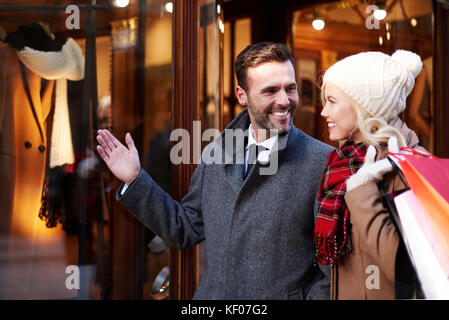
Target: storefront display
column 58, row 86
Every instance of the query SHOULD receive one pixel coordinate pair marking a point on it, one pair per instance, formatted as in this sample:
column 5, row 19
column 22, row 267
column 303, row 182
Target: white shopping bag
column 430, row 260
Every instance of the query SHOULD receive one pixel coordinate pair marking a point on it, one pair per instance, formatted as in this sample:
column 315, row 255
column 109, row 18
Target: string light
column 221, row 25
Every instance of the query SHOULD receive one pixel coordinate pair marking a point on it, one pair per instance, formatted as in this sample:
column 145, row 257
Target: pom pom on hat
column 379, row 83
column 409, row 60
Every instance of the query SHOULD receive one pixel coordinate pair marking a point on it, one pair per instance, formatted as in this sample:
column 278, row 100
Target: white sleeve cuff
column 124, row 189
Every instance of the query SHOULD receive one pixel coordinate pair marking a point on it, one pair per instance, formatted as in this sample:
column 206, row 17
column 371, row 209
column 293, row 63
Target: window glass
column 62, row 233
column 327, row 33
column 211, row 37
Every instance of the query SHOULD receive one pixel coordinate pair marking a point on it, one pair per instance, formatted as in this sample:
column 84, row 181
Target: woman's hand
column 372, row 170
column 123, row 162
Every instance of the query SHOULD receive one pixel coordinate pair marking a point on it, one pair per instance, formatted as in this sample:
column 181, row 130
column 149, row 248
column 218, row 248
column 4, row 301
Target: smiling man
column 273, row 99
column 258, row 228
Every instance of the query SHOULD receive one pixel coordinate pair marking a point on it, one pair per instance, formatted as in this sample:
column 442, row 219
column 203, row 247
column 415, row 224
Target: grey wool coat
column 258, row 231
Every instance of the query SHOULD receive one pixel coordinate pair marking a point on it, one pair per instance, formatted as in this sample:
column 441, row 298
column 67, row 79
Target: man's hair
column 258, row 53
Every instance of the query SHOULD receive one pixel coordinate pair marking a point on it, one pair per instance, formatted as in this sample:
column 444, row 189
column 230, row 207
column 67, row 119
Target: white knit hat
column 378, row 82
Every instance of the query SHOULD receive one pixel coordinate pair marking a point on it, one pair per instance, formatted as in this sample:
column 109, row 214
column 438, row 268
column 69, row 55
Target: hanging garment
column 22, row 140
column 26, row 100
column 67, row 64
column 25, row 105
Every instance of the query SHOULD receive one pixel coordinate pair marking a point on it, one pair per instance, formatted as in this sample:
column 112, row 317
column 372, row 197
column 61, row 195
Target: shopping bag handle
column 413, row 151
column 398, row 172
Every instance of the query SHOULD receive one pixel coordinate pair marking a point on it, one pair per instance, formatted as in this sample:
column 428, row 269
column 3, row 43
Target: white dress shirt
column 263, row 156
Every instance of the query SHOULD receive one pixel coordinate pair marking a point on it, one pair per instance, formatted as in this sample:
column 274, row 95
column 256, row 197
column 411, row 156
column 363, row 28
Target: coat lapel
column 235, row 172
column 234, row 175
column 32, row 102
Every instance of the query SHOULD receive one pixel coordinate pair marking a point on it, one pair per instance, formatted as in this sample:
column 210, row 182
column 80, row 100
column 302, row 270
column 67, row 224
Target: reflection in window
column 350, row 28
column 78, row 222
column 53, row 209
column 156, row 128
column 237, row 36
column 210, row 90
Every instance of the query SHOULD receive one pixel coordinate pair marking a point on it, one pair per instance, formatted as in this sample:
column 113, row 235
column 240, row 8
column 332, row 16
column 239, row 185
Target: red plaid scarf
column 332, row 229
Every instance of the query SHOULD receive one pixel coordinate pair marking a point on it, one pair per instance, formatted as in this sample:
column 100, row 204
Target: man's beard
column 264, row 122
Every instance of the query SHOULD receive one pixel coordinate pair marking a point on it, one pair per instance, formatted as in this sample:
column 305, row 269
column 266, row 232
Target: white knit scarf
column 67, row 64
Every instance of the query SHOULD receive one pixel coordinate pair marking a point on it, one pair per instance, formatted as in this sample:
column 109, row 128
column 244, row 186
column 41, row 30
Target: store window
column 63, row 75
column 326, row 33
column 156, row 128
column 211, row 34
column 237, row 36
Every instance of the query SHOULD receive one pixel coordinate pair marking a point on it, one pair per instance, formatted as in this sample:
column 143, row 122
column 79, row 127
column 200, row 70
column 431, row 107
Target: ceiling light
column 121, row 3
column 169, row 7
column 380, row 13
column 318, row 24
column 318, row 18
column 413, row 22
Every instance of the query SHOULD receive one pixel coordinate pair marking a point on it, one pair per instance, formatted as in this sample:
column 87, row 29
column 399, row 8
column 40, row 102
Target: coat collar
column 234, row 170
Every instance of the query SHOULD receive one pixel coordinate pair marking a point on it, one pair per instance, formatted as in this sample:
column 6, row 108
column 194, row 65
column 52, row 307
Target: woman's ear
column 240, row 93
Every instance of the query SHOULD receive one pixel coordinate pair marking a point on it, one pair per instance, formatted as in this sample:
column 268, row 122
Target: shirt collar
column 268, row 143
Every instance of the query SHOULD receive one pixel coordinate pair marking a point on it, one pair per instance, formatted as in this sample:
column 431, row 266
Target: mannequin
column 31, row 55
column 33, row 63
column 22, row 144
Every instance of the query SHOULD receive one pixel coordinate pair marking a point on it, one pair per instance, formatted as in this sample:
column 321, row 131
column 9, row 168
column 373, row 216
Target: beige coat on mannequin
column 23, row 144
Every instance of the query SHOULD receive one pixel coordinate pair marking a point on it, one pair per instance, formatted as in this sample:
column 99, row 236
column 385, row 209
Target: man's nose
column 282, row 98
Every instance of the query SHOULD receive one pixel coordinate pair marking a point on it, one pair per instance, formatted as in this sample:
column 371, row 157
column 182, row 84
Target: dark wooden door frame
column 184, row 263
column 440, row 80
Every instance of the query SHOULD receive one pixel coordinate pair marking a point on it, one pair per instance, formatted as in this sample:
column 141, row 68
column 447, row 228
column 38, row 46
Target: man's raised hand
column 123, row 162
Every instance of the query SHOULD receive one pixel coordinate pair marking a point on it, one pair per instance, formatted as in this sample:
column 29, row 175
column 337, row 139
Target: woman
column 362, row 97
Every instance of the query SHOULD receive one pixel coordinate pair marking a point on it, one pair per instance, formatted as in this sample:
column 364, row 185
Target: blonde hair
column 374, row 130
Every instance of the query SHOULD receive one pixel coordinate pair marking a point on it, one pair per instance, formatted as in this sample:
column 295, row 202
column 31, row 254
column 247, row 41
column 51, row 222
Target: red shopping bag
column 428, row 177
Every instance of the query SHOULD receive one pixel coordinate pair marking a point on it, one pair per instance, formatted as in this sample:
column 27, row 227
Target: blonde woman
column 362, row 97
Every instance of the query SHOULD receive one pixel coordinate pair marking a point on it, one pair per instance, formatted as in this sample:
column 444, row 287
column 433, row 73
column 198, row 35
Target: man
column 258, row 227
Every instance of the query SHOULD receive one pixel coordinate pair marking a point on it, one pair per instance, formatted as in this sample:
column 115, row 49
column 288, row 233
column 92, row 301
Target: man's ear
column 241, row 96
